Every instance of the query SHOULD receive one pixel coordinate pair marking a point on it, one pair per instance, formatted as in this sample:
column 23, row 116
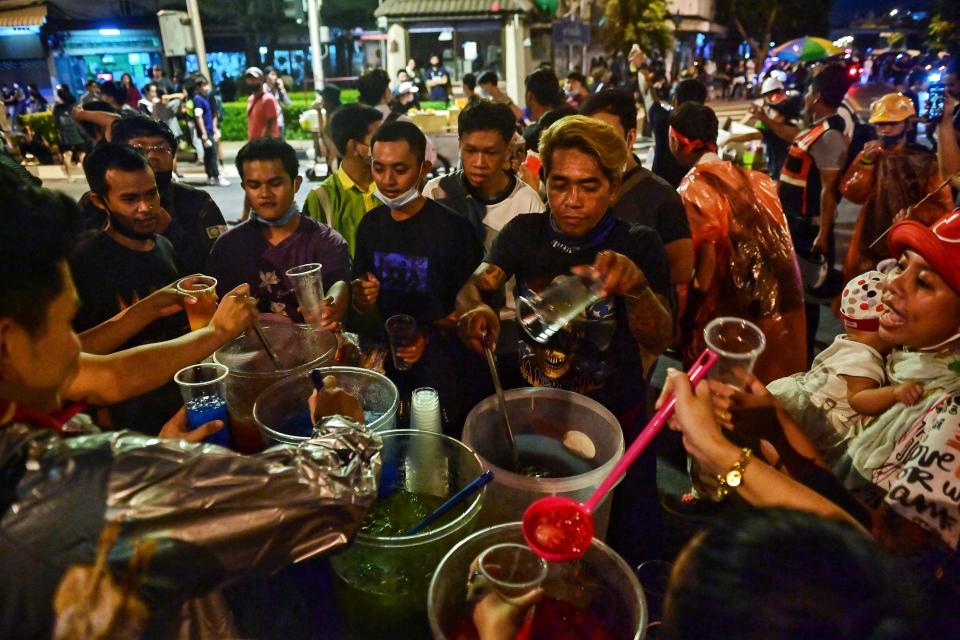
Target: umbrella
column 807, row 49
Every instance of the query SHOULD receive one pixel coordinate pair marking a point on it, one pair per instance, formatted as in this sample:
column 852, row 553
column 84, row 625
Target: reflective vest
column 800, row 178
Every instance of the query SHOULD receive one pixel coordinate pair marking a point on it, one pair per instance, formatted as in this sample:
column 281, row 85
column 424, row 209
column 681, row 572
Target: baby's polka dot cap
column 860, row 305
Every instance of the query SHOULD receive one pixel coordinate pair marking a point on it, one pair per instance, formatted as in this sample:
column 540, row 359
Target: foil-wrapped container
column 213, row 515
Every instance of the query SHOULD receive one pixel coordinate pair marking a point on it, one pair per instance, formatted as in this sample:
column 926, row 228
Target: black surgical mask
column 164, row 178
column 888, row 142
column 117, row 225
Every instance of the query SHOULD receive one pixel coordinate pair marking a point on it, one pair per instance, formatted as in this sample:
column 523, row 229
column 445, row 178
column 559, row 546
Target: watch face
column 733, row 478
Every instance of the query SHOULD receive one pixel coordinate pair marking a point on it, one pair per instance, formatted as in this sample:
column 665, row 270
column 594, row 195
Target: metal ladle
column 262, row 337
column 502, row 401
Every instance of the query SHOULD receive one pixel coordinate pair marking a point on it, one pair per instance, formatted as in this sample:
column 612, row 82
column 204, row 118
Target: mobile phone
column 935, row 102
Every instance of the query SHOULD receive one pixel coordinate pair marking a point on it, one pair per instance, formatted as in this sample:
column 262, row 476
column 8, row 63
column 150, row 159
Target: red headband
column 689, row 145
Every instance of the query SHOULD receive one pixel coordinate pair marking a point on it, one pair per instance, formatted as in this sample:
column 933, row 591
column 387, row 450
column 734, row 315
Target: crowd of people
column 191, row 108
column 830, row 448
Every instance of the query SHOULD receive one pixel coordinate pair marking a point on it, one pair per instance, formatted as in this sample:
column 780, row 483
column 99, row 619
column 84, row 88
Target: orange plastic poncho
column 737, row 215
column 898, row 179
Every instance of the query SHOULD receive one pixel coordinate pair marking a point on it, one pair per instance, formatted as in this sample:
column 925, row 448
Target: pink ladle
column 560, row 529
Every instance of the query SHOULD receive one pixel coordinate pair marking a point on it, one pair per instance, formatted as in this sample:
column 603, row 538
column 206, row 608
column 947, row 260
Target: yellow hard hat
column 893, row 107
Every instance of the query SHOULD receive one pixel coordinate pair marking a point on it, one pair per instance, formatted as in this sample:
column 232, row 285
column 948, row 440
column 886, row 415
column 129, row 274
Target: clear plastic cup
column 402, row 332
column 543, row 314
column 598, row 591
column 511, row 569
column 204, row 390
column 204, row 289
column 739, row 343
column 308, row 286
column 425, row 410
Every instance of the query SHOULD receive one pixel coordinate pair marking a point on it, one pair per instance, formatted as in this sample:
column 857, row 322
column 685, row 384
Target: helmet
column 771, row 84
column 938, row 244
column 893, row 107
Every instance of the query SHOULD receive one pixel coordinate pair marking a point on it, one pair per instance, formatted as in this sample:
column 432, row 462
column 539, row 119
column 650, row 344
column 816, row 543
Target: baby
column 844, row 385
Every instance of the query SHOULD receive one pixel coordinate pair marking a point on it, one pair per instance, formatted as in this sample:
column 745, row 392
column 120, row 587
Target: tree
column 761, row 21
column 257, row 21
column 945, row 27
column 642, row 21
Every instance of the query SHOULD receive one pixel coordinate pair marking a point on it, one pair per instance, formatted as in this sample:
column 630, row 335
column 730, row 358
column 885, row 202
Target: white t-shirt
column 817, row 399
column 523, row 199
column 922, row 475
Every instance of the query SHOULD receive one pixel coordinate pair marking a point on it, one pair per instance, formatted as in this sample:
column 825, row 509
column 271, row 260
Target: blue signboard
column 571, row 33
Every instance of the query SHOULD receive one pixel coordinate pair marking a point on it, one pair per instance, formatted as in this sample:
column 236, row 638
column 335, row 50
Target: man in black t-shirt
column 192, row 220
column 598, row 353
column 411, row 257
column 664, row 164
column 125, row 263
column 644, row 197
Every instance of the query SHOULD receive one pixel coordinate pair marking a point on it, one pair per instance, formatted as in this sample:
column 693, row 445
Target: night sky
column 844, row 10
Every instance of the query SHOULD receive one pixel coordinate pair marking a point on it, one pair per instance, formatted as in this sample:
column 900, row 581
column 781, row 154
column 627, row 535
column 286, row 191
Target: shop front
column 468, row 35
column 106, row 54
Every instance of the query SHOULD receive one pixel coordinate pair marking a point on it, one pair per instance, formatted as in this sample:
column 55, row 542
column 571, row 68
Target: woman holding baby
column 904, row 463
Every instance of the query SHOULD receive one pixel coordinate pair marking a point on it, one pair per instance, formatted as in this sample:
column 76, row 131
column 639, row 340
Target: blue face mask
column 287, row 216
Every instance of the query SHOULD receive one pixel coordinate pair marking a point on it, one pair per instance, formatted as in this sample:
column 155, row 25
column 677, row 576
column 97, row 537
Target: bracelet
column 732, row 479
column 867, row 163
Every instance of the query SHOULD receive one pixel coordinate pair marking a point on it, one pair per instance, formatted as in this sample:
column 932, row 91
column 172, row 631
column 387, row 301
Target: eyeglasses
column 146, row 150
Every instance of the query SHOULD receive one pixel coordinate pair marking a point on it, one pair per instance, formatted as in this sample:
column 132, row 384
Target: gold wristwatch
column 732, row 479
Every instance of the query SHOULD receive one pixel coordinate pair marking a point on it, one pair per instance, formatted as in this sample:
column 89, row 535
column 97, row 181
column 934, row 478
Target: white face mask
column 940, row 344
column 400, row 201
column 404, row 198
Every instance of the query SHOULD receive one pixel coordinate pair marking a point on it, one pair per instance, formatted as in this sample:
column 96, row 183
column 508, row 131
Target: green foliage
column 43, row 124
column 642, row 21
column 944, row 28
column 234, row 125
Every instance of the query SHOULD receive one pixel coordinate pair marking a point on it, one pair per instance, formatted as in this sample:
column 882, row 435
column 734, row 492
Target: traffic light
column 296, row 10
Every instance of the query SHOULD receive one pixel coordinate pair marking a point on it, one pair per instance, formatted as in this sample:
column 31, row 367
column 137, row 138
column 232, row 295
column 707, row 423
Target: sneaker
column 213, row 182
column 223, row 182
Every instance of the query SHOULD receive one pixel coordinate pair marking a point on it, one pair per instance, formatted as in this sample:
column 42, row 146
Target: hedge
column 43, row 123
column 234, row 125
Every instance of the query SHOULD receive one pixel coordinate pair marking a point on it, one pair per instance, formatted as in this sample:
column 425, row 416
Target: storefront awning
column 421, row 9
column 20, row 13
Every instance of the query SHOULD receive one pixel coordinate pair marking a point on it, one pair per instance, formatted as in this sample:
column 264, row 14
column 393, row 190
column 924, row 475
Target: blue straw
column 452, row 501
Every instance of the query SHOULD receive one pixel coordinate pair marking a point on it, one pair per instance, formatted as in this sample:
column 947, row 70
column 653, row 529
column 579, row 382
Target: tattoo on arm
column 489, row 277
column 650, row 321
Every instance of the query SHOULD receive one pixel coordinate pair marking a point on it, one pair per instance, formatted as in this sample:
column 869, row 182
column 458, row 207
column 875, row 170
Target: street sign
column 571, row 33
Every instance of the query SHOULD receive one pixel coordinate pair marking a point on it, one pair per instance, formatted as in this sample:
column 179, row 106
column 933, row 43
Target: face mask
column 940, row 344
column 570, row 93
column 163, row 179
column 888, row 142
column 287, row 216
column 124, row 230
column 404, row 198
column 400, row 201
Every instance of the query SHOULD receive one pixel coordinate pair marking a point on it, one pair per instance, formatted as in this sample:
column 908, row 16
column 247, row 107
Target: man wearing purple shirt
column 277, row 238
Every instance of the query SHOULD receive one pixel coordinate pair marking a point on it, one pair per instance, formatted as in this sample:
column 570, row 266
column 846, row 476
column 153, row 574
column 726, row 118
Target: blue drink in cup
column 203, row 387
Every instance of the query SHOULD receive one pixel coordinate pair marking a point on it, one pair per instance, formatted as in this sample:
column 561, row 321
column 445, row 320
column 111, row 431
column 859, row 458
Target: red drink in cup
column 204, row 289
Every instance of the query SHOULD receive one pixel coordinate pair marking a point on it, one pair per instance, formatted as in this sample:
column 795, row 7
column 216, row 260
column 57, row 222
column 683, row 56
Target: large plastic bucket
column 283, row 416
column 600, row 585
column 300, row 348
column 382, row 581
column 540, row 413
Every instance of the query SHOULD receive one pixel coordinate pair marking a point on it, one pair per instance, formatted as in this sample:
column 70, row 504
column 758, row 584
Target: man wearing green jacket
column 345, row 197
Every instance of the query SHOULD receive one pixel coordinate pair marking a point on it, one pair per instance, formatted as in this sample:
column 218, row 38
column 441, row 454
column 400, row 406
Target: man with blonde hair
column 598, row 352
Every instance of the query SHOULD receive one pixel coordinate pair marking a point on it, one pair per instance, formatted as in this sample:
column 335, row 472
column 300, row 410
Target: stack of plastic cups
column 425, row 416
column 425, row 410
